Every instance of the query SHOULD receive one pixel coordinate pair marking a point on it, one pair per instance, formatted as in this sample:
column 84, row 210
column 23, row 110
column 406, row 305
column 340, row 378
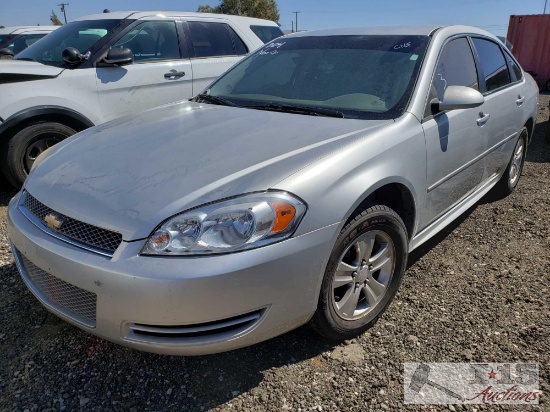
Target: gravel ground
column 478, row 292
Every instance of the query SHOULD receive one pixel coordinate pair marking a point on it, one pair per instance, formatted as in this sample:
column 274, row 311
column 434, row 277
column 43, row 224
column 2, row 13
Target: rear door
column 453, row 138
column 161, row 72
column 502, row 111
column 214, row 46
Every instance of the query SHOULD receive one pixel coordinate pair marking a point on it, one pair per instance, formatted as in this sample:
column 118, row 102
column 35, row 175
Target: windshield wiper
column 214, row 99
column 289, row 108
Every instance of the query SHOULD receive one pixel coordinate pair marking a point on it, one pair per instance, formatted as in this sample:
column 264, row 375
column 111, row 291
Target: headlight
column 233, row 225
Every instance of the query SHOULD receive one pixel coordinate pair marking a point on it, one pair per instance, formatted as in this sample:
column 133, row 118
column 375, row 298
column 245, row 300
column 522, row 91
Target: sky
column 491, row 15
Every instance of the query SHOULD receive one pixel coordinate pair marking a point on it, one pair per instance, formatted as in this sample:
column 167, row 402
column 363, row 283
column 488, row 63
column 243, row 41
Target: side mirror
column 458, row 97
column 72, row 56
column 5, row 52
column 118, row 57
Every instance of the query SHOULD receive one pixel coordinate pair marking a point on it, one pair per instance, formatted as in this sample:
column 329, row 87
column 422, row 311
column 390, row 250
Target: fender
column 16, row 119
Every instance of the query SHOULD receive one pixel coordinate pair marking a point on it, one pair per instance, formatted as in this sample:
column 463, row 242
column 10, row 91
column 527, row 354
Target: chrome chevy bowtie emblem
column 53, row 221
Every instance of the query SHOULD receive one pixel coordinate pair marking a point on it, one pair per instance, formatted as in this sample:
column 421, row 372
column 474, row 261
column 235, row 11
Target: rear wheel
column 26, row 145
column 363, row 274
column 510, row 178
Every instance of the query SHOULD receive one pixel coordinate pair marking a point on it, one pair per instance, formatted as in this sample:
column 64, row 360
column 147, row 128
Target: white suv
column 105, row 66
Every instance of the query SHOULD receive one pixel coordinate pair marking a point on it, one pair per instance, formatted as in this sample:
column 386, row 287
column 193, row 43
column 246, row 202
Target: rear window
column 215, row 39
column 267, row 33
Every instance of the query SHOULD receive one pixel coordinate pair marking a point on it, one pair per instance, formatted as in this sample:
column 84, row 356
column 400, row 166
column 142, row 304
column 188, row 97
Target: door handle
column 174, row 75
column 520, row 100
column 483, row 118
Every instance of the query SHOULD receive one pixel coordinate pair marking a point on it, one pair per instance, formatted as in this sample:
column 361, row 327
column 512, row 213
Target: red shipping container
column 530, row 37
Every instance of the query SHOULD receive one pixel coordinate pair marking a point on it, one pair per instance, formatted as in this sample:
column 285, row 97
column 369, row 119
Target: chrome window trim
column 38, row 223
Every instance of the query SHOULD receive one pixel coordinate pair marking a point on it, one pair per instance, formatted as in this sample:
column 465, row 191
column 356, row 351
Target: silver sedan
column 290, row 191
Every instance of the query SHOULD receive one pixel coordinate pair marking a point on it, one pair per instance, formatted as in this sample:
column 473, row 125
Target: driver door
column 159, row 75
column 454, row 139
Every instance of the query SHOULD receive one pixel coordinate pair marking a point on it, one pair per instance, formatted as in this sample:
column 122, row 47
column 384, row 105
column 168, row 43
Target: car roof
column 144, row 14
column 25, row 29
column 396, row 30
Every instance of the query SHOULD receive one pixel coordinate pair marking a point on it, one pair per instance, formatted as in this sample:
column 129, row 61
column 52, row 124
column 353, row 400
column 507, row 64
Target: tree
column 55, row 20
column 263, row 9
column 2, row 27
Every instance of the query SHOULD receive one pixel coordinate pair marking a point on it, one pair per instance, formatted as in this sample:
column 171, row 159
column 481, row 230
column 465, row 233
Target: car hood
column 21, row 70
column 131, row 174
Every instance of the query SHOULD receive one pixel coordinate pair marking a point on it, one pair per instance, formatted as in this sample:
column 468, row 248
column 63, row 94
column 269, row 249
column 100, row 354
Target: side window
column 152, row 41
column 515, row 68
column 215, row 39
column 25, row 41
column 267, row 33
column 492, row 63
column 456, row 67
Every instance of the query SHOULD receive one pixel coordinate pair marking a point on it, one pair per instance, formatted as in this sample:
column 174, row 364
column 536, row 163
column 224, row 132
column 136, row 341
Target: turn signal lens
column 284, row 215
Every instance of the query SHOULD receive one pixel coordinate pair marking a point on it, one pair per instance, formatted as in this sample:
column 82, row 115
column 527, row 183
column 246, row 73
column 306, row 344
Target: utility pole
column 292, row 26
column 62, row 5
column 296, row 13
column 545, row 1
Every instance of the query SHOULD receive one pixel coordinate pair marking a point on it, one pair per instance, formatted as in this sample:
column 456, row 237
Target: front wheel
column 26, row 145
column 363, row 275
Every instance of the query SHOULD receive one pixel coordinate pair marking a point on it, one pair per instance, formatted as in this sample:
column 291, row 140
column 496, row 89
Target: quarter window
column 492, row 63
column 456, row 67
column 215, row 39
column 515, row 68
column 152, row 40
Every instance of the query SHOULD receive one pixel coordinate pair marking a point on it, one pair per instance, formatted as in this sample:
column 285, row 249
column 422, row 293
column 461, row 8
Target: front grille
column 79, row 232
column 78, row 304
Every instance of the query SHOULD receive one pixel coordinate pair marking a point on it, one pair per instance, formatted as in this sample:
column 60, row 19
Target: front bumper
column 178, row 306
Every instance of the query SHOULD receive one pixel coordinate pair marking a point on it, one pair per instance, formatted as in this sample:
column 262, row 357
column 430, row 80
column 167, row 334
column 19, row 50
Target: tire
column 347, row 276
column 510, row 178
column 25, row 146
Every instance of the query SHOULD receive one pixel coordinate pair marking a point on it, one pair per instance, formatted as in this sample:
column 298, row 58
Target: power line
column 296, row 13
column 62, row 5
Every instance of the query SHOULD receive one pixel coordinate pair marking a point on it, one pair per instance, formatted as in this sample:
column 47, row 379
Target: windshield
column 4, row 38
column 365, row 77
column 20, row 42
column 81, row 35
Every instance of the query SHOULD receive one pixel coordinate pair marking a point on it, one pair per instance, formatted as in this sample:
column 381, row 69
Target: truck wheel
column 26, row 145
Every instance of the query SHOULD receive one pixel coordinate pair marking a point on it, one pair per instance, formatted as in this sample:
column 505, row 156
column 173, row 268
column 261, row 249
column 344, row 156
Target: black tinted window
column 456, row 67
column 267, row 33
column 515, row 68
column 493, row 65
column 215, row 39
column 152, row 40
column 240, row 47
